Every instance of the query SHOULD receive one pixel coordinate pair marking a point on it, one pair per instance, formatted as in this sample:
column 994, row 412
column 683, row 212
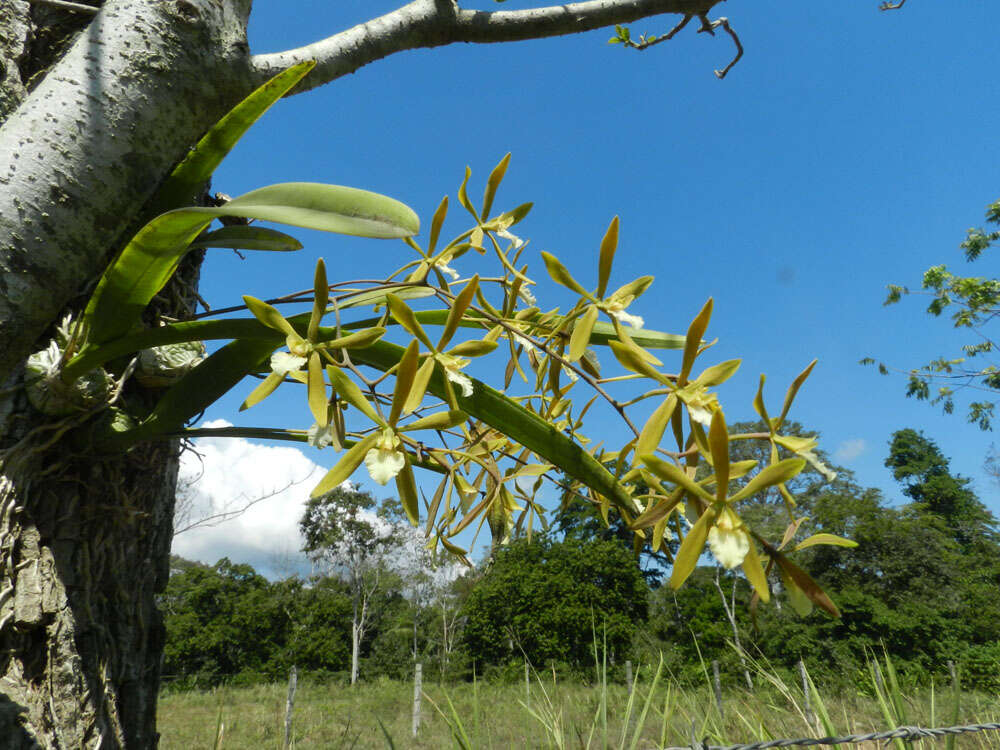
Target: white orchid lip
column 384, row 461
column 700, row 415
column 283, row 363
column 453, row 371
column 728, row 540
column 441, row 264
column 320, row 437
column 510, row 237
column 623, row 317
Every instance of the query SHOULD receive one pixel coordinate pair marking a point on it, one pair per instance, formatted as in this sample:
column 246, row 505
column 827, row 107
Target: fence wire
column 902, row 733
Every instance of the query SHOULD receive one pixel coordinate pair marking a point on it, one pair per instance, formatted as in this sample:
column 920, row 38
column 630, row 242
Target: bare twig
column 435, row 23
column 183, row 512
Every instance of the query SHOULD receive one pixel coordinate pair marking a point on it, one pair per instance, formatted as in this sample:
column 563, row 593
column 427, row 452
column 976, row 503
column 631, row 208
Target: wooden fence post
column 810, row 716
column 527, row 683
column 628, row 676
column 293, row 681
column 717, row 685
column 418, row 679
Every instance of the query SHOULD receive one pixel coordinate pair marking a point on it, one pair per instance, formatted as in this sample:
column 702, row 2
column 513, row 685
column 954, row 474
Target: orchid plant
column 415, row 404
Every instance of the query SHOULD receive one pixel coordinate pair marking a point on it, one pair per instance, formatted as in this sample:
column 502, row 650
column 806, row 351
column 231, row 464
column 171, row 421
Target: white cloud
column 850, row 449
column 231, row 473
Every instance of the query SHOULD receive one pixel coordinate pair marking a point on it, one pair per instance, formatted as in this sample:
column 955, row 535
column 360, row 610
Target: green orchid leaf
column 376, row 297
column 245, row 237
column 328, row 208
column 608, row 246
column 199, row 389
column 149, row 259
column 605, row 332
column 188, row 179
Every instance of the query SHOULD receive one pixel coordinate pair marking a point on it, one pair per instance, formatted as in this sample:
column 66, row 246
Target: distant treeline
column 922, row 584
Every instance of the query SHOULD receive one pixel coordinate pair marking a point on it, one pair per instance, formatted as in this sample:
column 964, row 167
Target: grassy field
column 559, row 715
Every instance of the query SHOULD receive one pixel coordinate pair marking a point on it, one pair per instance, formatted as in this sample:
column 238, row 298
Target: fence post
column 628, row 676
column 293, row 680
column 418, row 679
column 717, row 684
column 810, row 716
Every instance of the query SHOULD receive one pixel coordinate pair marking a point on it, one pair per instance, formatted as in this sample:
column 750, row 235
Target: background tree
column 228, row 624
column 579, row 521
column 973, row 302
column 918, row 464
column 543, row 600
column 350, row 536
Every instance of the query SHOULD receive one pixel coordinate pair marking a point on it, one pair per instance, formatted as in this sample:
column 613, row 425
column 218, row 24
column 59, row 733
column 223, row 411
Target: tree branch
column 435, row 23
column 74, row 7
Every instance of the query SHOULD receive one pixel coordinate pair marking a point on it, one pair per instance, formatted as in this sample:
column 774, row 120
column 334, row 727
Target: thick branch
column 434, row 23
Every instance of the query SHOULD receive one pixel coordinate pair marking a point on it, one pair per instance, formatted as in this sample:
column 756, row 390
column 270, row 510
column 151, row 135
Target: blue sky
column 848, row 149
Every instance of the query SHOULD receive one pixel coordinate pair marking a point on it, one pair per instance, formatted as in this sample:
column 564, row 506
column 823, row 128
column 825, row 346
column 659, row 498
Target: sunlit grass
column 555, row 714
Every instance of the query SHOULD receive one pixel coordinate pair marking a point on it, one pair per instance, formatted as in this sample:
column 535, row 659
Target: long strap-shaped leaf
column 151, row 257
column 240, row 328
column 184, row 184
column 197, row 390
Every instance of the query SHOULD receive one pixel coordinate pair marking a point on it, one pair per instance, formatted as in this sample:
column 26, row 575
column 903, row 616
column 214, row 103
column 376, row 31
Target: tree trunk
column 95, row 111
column 84, row 553
column 355, row 648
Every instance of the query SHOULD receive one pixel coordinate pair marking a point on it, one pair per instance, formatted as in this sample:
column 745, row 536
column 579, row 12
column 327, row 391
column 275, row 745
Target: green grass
column 556, row 715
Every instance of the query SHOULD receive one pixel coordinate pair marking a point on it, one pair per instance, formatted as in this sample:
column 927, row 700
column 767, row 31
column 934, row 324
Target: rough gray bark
column 96, row 110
